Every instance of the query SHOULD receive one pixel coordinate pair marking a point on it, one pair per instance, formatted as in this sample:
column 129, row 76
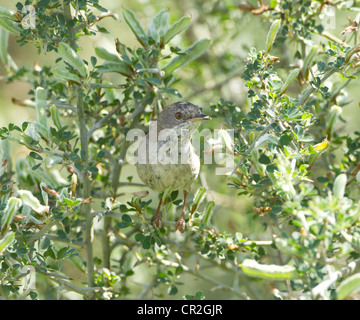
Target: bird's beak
column 200, row 118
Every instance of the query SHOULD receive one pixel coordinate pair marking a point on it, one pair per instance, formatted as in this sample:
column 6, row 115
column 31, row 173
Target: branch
column 310, row 89
column 215, row 86
column 252, row 146
column 45, row 229
column 86, row 207
column 320, row 289
column 87, row 292
column 201, row 276
column 98, row 124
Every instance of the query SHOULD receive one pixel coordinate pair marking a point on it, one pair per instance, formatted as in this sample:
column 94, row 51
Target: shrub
column 296, row 171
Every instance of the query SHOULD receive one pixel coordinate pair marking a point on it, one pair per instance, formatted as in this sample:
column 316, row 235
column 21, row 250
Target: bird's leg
column 180, row 223
column 157, row 216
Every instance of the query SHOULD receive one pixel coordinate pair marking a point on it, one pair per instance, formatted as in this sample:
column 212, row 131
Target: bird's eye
column 179, row 115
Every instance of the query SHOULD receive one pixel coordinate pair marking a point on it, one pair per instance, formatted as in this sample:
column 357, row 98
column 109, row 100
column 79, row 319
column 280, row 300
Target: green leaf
column 21, row 251
column 208, row 211
column 5, row 13
column 348, row 286
column 64, row 74
column 285, row 139
column 35, row 155
column 62, row 253
column 106, row 55
column 271, row 36
column 93, row 61
column 12, row 207
column 55, row 116
column 6, row 241
column 146, row 243
column 332, row 116
column 49, row 253
column 139, row 237
column 353, row 240
column 264, row 159
column 158, row 26
column 339, row 186
column 71, row 202
column 4, row 36
column 308, row 59
column 50, row 161
column 29, row 199
column 191, row 53
column 118, row 67
column 176, row 28
column 154, row 81
column 270, row 272
column 126, row 221
column 172, row 290
column 266, row 138
column 321, row 66
column 33, row 295
column 199, row 196
column 273, row 3
column 10, row 26
column 135, row 27
column 70, row 56
column 292, row 76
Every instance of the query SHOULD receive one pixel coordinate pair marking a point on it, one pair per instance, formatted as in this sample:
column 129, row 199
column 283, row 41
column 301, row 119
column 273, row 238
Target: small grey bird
column 166, row 157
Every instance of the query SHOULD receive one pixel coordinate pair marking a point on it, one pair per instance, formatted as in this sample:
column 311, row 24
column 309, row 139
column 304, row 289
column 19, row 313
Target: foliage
column 300, row 169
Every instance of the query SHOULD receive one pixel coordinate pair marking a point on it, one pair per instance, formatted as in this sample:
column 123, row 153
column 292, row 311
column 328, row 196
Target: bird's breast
column 167, row 164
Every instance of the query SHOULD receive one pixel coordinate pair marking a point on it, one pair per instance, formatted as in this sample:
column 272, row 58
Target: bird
column 166, row 157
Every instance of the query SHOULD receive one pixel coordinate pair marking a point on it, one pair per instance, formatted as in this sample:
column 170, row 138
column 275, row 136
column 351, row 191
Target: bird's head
column 181, row 115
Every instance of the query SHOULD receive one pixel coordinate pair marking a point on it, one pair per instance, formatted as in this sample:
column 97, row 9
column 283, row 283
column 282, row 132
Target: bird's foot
column 157, row 221
column 180, row 224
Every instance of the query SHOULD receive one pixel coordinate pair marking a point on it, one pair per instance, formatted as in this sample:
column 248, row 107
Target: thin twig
column 321, row 288
column 202, row 276
column 99, row 123
column 87, row 292
column 86, row 207
column 252, row 146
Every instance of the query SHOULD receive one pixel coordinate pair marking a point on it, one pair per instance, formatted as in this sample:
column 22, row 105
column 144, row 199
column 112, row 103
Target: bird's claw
column 180, row 224
column 157, row 222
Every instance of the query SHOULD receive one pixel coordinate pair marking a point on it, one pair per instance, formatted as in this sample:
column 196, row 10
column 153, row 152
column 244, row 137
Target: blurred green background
column 215, row 75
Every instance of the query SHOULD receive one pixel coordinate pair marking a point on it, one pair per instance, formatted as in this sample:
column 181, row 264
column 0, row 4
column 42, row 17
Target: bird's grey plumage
column 166, row 157
column 185, row 168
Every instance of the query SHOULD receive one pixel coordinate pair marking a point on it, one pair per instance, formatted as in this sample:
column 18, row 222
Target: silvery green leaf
column 5, row 13
column 69, row 55
column 271, row 271
column 118, row 67
column 9, row 26
column 339, row 186
column 4, row 36
column 292, row 76
column 191, row 53
column 208, row 211
column 309, row 57
column 348, row 286
column 55, row 116
column 135, row 27
column 106, row 55
column 158, row 26
column 44, row 195
column 40, row 106
column 51, row 161
column 29, row 199
column 12, row 207
column 64, row 74
column 275, row 26
column 6, row 241
column 176, row 28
